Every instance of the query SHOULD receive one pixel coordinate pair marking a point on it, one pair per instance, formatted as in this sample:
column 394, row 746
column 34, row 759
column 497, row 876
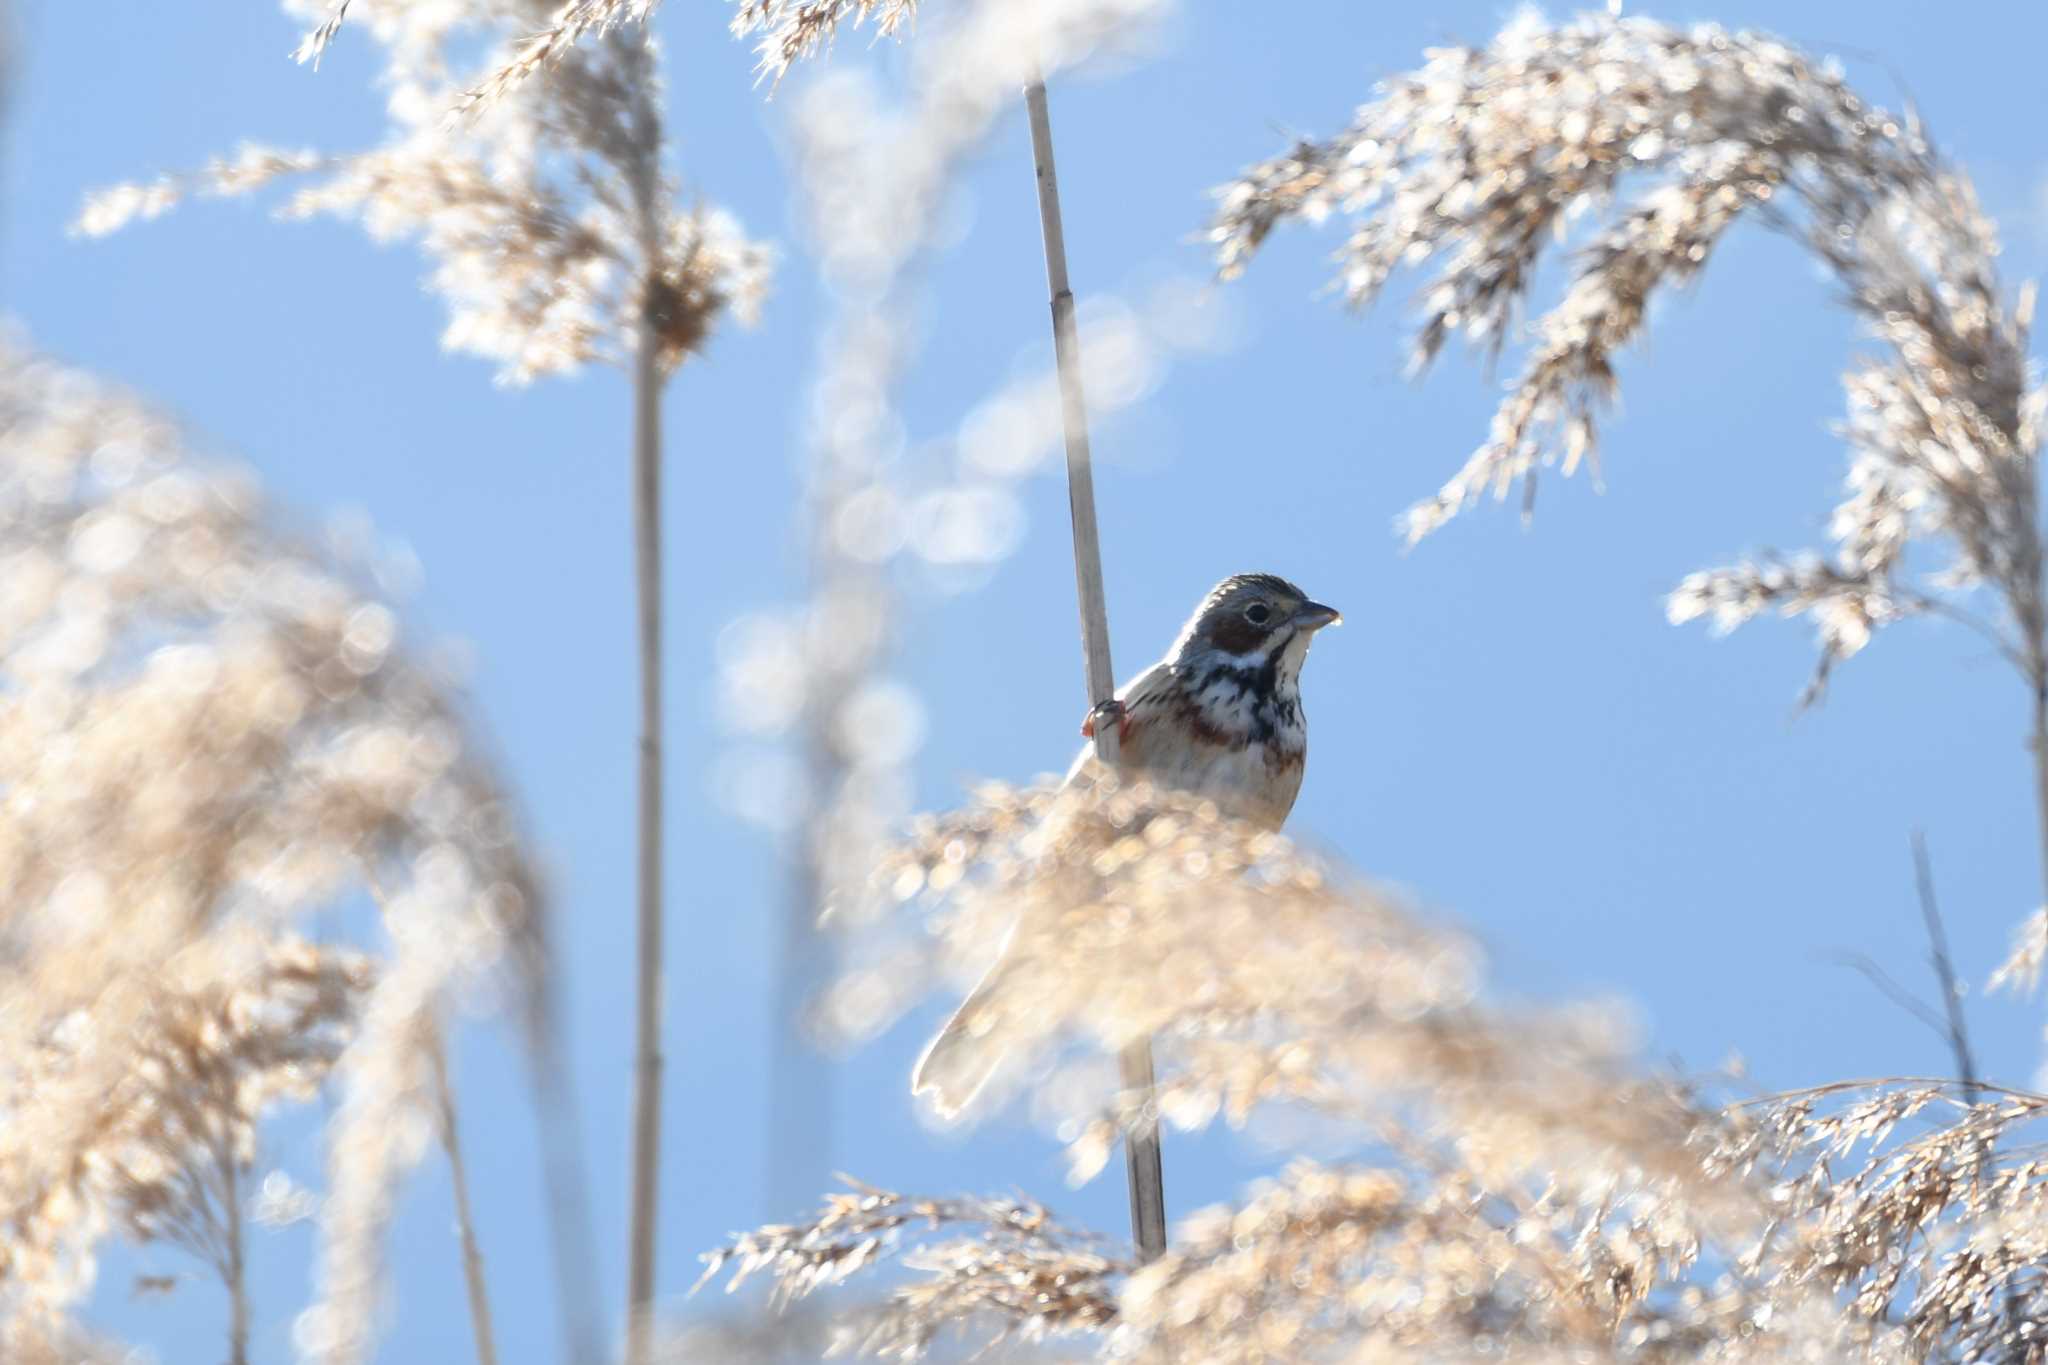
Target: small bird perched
column 1219, row 717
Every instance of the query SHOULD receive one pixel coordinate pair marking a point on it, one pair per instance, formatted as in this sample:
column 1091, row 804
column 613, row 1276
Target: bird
column 1219, row 717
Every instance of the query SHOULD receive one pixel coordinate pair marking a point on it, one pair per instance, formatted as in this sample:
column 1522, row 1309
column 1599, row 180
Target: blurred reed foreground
column 217, row 742
column 213, row 732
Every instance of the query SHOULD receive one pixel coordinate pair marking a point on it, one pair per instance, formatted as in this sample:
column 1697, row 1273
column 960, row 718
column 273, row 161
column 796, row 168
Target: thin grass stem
column 2038, row 742
column 1958, row 1030
column 458, row 1174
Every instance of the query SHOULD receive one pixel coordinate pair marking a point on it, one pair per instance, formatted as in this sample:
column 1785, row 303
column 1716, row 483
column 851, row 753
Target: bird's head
column 1253, row 621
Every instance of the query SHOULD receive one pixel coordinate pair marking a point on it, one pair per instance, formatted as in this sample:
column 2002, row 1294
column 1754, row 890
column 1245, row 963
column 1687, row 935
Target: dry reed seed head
column 1923, row 1246
column 707, row 269
column 1005, row 1264
column 2021, row 969
column 1290, row 987
column 1917, row 1211
column 182, row 1130
column 31, row 1340
column 108, row 210
column 542, row 210
column 874, row 174
column 791, row 30
column 1345, row 1263
column 1526, row 1194
column 567, row 25
column 148, row 606
column 1325, row 1264
column 1482, row 156
column 314, row 45
column 1523, row 1194
column 199, row 1054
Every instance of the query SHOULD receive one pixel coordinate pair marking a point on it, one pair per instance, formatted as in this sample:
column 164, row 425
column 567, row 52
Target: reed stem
column 1147, row 1180
column 645, row 1211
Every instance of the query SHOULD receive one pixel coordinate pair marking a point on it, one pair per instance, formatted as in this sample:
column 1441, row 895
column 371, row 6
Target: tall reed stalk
column 1147, row 1180
column 647, row 1006
column 236, row 1269
column 643, row 178
column 874, row 213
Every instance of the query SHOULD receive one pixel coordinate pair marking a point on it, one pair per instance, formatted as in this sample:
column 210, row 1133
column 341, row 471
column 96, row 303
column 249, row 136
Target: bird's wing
column 971, row 1048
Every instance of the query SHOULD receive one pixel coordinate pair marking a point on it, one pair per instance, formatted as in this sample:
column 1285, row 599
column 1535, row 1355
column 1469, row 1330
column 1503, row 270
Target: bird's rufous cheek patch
column 1235, row 635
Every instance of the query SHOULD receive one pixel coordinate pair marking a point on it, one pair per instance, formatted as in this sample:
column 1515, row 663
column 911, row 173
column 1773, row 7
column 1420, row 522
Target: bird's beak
column 1314, row 616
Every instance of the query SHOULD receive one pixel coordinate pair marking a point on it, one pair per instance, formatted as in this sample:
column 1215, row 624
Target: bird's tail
column 958, row 1063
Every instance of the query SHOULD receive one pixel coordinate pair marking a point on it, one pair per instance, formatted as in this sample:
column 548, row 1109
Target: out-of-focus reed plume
column 1267, row 976
column 35, row 1342
column 1269, row 981
column 556, row 238
column 212, row 732
column 552, row 229
column 746, row 1335
column 876, row 175
column 177, row 1139
column 1515, row 1188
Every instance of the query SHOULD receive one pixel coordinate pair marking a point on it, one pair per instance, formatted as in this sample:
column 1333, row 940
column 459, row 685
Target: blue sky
column 1505, row 727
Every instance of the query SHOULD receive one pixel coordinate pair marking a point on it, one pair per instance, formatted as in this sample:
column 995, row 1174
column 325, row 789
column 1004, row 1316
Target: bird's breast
column 1256, row 782
column 1252, row 772
column 1219, row 730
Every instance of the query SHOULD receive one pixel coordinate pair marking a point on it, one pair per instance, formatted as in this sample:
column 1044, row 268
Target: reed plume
column 1514, row 1184
column 550, row 225
column 1290, row 987
column 1476, row 161
column 213, row 732
column 875, row 175
column 178, row 1138
column 1004, row 1259
column 556, row 239
column 787, row 31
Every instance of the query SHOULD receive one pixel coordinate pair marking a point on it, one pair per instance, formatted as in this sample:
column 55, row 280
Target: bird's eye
column 1258, row 613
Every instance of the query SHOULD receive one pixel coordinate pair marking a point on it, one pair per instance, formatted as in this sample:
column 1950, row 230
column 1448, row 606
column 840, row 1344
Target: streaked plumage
column 1219, row 716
